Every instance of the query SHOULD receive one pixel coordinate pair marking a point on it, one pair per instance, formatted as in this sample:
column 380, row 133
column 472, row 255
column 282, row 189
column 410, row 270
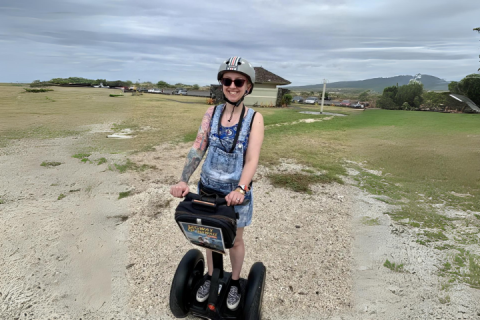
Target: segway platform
column 190, row 275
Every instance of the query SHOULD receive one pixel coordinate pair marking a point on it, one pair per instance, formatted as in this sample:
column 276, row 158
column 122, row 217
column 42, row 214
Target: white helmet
column 237, row 64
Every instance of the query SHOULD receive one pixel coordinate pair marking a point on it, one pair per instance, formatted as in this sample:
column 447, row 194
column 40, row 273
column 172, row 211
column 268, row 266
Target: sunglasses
column 227, row 82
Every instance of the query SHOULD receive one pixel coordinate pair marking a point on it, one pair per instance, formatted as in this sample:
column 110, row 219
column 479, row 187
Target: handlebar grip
column 195, row 196
column 221, row 201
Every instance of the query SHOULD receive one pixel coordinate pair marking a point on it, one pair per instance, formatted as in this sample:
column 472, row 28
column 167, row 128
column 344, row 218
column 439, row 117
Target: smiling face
column 232, row 92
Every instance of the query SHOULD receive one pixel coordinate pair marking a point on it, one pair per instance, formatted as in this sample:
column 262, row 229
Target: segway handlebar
column 218, row 201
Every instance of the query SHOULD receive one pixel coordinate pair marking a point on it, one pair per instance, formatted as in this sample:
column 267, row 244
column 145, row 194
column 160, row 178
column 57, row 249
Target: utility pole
column 477, row 29
column 323, row 95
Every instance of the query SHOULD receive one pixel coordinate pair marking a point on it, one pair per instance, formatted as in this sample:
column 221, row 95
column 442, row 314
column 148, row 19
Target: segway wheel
column 254, row 292
column 189, row 271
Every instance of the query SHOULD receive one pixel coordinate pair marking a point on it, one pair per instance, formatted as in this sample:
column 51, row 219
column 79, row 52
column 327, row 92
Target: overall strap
column 249, row 130
column 251, row 121
column 212, row 120
column 239, row 127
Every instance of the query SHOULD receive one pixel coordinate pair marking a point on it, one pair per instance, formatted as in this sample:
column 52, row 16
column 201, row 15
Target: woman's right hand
column 179, row 190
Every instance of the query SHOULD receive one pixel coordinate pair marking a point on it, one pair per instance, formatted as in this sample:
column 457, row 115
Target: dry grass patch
column 298, row 182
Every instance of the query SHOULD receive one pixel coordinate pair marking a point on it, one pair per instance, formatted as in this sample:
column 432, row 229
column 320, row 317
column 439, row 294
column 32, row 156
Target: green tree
column 195, row 87
column 304, row 93
column 435, row 100
column 147, row 84
column 390, row 92
column 453, row 87
column 364, row 95
column 409, row 93
column 385, row 102
column 470, row 87
column 163, row 84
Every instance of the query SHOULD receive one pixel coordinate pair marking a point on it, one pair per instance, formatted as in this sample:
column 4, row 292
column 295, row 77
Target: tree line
column 114, row 83
column 412, row 96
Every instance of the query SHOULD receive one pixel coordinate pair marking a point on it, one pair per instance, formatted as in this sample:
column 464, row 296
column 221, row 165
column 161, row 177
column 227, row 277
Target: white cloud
column 303, row 41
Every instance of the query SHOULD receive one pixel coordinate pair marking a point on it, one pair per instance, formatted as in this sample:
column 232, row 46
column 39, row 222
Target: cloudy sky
column 184, row 41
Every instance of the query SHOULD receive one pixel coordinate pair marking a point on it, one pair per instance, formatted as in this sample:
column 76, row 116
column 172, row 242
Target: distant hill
column 377, row 84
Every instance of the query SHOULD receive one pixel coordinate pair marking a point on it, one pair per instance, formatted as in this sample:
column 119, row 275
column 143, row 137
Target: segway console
column 210, row 223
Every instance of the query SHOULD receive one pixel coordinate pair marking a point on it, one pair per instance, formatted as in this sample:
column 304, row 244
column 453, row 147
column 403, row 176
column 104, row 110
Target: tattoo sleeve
column 199, row 148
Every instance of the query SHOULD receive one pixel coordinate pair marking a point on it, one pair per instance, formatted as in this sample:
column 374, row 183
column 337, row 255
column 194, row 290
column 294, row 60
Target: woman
column 233, row 135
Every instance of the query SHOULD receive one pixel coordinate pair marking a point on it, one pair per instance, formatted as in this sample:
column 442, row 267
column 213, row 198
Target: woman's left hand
column 234, row 198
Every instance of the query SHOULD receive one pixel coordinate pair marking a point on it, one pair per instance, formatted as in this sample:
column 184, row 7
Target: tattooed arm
column 194, row 156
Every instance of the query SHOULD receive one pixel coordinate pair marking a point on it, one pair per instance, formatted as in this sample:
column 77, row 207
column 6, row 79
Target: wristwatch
column 242, row 188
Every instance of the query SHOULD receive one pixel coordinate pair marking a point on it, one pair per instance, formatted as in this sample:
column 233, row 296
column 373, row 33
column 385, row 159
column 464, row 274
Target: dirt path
column 60, row 258
column 93, row 256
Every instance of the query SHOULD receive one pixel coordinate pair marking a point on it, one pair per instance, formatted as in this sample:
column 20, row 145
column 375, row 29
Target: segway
column 209, row 217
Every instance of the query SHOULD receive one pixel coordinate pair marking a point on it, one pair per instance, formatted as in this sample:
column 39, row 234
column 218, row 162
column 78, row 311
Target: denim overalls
column 222, row 170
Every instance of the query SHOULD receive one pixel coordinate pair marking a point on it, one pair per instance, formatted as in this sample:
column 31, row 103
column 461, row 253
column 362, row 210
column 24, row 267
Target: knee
column 238, row 243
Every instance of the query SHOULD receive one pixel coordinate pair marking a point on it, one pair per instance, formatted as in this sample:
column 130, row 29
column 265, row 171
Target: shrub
column 385, row 102
column 393, row 266
column 37, row 90
column 125, row 194
column 287, row 99
column 406, row 106
column 50, row 163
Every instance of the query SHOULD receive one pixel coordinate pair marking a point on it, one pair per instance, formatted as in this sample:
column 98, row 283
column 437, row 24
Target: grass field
column 431, row 154
column 427, row 159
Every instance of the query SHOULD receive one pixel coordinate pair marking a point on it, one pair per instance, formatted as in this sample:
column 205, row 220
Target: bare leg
column 237, row 254
column 209, row 262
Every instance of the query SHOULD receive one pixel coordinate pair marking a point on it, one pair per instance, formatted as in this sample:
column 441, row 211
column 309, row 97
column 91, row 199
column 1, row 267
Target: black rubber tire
column 189, row 271
column 254, row 292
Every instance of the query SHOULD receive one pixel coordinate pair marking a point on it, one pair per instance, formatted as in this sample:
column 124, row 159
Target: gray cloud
column 184, row 40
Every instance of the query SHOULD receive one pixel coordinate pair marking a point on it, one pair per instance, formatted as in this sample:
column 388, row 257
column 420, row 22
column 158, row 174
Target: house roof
column 265, row 76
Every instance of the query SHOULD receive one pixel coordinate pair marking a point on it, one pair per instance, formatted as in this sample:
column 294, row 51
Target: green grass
column 421, row 216
column 444, row 300
column 83, row 157
column 299, row 182
column 435, row 236
column 2, row 201
column 394, row 267
column 427, row 159
column 370, row 221
column 34, row 132
column 50, row 163
column 129, row 165
column 128, row 124
column 125, row 194
column 101, row 161
column 61, row 196
column 462, row 266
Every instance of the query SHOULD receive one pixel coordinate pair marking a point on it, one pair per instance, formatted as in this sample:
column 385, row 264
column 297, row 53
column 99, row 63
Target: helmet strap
column 235, row 104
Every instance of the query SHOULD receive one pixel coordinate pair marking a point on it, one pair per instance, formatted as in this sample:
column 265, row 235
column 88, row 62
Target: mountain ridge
column 378, row 84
